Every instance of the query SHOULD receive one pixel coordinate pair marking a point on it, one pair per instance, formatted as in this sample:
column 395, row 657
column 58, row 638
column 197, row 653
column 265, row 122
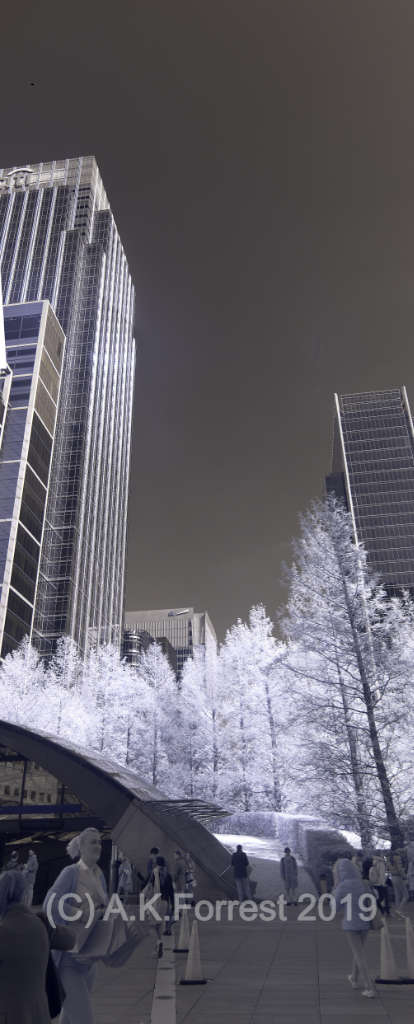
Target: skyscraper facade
column 185, row 629
column 34, row 353
column 58, row 241
column 373, row 471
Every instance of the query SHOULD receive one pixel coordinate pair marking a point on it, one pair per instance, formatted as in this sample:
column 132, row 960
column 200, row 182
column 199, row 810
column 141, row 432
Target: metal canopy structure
column 201, row 810
column 133, row 811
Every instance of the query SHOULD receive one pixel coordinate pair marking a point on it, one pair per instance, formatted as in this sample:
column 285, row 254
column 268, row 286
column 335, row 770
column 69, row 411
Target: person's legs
column 400, row 891
column 290, row 893
column 240, row 888
column 246, row 889
column 404, row 895
column 359, row 965
column 27, row 898
column 379, row 896
column 383, row 898
column 77, row 1007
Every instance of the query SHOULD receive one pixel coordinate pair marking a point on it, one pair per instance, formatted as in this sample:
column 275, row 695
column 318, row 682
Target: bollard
column 389, row 973
column 409, row 936
column 193, row 969
column 388, row 969
column 184, row 935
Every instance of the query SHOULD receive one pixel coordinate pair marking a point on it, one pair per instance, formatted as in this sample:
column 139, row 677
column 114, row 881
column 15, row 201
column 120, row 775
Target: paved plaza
column 258, row 973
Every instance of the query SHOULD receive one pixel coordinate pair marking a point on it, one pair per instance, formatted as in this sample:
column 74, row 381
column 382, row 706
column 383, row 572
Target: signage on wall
column 16, row 179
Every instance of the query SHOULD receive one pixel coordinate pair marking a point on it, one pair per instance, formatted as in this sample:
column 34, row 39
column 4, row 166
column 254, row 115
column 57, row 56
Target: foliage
column 316, row 722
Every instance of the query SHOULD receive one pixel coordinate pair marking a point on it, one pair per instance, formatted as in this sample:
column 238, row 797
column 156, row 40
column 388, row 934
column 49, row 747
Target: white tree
column 157, row 685
column 22, row 688
column 196, row 753
column 107, row 691
column 70, row 713
column 264, row 658
column 242, row 779
column 351, row 679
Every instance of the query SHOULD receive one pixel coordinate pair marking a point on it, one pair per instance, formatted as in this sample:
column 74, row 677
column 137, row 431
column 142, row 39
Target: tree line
column 312, row 714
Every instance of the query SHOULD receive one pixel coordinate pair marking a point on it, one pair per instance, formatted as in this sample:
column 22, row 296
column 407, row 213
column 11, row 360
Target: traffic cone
column 193, row 969
column 409, row 935
column 388, row 969
column 184, row 935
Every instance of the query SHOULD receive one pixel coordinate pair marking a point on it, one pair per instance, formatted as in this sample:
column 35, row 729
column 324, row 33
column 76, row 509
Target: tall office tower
column 185, row 629
column 34, row 353
column 373, row 471
column 58, row 241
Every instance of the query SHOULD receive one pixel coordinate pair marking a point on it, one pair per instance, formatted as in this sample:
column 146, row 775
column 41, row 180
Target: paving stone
column 292, row 973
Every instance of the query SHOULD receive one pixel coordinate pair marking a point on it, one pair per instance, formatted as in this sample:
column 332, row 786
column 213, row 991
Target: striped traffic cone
column 409, row 937
column 184, row 934
column 193, row 970
column 388, row 969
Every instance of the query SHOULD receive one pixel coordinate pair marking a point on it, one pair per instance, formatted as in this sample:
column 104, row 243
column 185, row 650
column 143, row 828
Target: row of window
column 404, row 474
column 370, row 533
column 31, row 794
column 382, row 498
column 21, row 327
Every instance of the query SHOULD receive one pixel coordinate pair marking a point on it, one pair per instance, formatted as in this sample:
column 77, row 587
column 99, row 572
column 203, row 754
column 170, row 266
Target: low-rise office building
column 183, row 628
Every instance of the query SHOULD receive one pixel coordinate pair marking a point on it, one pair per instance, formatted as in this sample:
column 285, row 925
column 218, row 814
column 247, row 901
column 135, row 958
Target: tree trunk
column 245, row 793
column 215, row 753
column 277, row 796
column 357, row 778
column 394, row 827
column 361, row 808
column 155, row 757
column 128, row 744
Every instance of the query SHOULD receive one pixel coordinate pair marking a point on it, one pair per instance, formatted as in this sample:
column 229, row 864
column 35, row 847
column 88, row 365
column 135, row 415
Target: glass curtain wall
column 374, row 450
column 58, row 240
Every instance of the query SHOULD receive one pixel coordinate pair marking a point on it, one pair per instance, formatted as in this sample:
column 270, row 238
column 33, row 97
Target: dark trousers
column 383, row 899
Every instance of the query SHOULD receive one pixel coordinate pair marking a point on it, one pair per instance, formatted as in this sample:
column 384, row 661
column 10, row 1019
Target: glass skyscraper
column 58, row 241
column 30, row 392
column 373, row 471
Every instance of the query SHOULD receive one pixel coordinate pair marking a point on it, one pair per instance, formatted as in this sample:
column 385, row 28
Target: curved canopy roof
column 121, row 798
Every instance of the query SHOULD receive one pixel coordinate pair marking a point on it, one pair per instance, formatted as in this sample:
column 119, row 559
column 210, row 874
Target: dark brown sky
column 259, row 160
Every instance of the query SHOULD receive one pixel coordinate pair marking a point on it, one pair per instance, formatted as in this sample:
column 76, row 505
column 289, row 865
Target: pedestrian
column 24, row 955
column 160, row 884
column 111, row 941
column 240, row 865
column 125, row 877
column 398, row 879
column 13, row 862
column 351, row 885
column 30, row 870
column 179, row 871
column 289, row 873
column 410, row 874
column 190, row 879
column 152, row 860
column 357, row 859
column 377, row 877
column 167, row 892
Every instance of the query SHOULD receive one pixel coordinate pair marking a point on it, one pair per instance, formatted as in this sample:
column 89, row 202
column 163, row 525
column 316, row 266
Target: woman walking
column 84, row 887
column 398, row 879
column 351, row 885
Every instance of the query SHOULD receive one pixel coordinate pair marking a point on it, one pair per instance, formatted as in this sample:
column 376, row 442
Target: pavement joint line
column 163, row 1009
column 269, row 968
